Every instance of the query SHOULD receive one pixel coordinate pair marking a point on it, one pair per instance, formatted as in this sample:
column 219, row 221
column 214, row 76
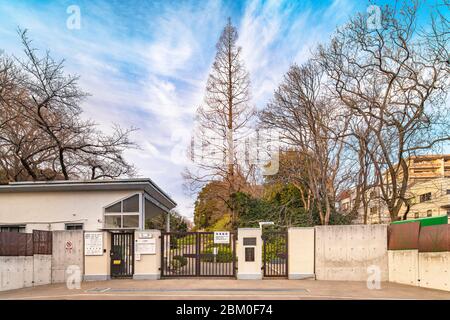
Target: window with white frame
column 123, row 214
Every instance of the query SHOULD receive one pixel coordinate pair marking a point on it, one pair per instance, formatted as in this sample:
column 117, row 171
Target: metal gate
column 122, row 255
column 275, row 254
column 194, row 254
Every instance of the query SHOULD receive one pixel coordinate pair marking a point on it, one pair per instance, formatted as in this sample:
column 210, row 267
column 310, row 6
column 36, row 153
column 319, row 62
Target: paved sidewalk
column 203, row 289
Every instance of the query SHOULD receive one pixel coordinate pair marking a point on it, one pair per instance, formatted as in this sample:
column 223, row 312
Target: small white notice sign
column 145, row 246
column 221, row 237
column 93, row 243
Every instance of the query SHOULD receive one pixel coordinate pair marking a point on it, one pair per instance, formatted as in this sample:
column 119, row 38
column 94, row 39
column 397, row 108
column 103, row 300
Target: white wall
column 36, row 209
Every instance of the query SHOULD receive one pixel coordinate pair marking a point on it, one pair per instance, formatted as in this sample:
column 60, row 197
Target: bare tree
column 42, row 136
column 223, row 121
column 393, row 81
column 308, row 123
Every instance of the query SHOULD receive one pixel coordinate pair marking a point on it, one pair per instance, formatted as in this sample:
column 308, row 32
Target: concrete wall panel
column 434, row 270
column 16, row 272
column 68, row 250
column 346, row 252
column 404, row 266
column 42, row 269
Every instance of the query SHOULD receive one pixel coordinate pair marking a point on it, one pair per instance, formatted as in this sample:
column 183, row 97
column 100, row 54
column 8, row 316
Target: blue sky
column 145, row 63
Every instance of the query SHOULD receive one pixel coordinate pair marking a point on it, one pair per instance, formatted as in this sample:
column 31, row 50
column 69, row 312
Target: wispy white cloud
column 146, row 64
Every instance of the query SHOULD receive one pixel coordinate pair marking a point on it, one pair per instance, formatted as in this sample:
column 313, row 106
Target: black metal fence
column 25, row 244
column 275, row 254
column 195, row 254
column 122, row 255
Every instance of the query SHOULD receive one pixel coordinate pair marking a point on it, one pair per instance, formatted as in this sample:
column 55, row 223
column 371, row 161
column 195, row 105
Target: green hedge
column 178, row 262
column 224, row 254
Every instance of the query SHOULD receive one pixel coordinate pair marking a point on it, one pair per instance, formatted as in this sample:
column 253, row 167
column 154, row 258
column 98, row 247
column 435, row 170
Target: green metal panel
column 429, row 221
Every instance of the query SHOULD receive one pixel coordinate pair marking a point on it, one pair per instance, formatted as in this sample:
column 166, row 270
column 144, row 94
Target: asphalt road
column 202, row 289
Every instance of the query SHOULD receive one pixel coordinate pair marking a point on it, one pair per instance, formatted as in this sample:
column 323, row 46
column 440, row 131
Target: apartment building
column 428, row 192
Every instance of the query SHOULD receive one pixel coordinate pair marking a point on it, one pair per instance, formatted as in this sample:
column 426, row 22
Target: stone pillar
column 301, row 253
column 147, row 254
column 249, row 254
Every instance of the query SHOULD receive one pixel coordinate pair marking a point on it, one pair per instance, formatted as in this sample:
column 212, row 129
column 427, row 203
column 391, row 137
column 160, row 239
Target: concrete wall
column 36, row 209
column 147, row 266
column 424, row 269
column 345, row 252
column 301, row 246
column 99, row 267
column 404, row 266
column 434, row 270
column 24, row 271
column 68, row 250
column 249, row 270
column 16, row 272
column 42, row 269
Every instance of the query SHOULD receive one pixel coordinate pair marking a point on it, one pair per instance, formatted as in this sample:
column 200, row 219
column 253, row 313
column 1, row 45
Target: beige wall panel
column 249, row 270
column 99, row 267
column 301, row 253
column 146, row 266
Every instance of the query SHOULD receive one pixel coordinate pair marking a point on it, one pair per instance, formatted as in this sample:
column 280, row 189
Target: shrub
column 178, row 262
column 224, row 254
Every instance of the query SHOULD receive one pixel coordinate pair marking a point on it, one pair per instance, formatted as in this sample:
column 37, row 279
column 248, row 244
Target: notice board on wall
column 146, row 246
column 93, row 243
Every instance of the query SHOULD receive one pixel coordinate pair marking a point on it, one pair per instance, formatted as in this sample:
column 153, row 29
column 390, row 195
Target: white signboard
column 93, row 243
column 145, row 246
column 222, row 237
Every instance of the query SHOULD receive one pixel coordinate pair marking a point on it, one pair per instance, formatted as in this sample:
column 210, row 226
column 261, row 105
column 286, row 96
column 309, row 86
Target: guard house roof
column 144, row 184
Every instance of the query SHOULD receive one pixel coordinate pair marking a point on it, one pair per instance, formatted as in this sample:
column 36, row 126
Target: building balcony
column 424, row 175
column 426, row 165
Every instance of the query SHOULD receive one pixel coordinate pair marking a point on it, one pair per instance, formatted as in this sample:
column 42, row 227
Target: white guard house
column 106, row 223
column 93, row 205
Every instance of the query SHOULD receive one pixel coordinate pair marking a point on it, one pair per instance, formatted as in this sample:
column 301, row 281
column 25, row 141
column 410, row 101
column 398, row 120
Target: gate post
column 147, row 254
column 249, row 254
column 301, row 253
